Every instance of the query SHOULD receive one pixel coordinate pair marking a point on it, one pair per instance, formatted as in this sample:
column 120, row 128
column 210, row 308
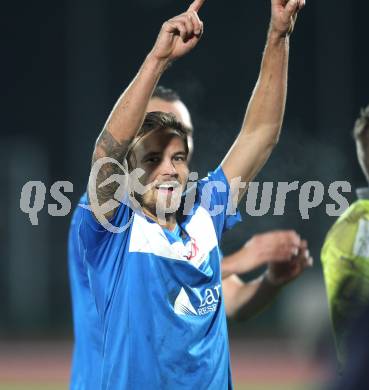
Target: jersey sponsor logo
column 183, row 305
column 208, row 302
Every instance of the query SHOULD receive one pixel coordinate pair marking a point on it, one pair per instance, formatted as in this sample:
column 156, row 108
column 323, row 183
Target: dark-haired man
column 157, row 283
column 345, row 254
column 167, row 100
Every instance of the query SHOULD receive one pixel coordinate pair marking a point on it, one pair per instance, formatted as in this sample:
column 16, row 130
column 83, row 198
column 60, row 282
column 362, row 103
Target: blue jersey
column 86, row 362
column 157, row 318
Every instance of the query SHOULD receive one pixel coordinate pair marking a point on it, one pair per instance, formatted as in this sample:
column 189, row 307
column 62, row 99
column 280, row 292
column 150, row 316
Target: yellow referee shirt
column 345, row 260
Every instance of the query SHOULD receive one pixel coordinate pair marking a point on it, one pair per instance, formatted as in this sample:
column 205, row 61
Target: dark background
column 65, row 63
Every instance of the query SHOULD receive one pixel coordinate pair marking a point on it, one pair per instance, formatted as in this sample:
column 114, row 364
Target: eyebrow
column 151, row 154
column 188, row 129
column 156, row 154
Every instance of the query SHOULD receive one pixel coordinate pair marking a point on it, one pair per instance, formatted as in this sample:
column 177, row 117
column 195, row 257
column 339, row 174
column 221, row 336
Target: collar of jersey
column 363, row 193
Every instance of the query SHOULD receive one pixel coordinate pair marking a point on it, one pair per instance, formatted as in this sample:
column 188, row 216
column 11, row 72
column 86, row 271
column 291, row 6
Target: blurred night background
column 65, row 63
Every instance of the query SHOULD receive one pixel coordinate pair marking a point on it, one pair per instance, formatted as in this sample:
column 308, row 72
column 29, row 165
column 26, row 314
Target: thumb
column 301, row 4
column 291, row 7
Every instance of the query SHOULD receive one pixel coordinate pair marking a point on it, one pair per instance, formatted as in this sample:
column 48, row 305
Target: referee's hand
column 179, row 35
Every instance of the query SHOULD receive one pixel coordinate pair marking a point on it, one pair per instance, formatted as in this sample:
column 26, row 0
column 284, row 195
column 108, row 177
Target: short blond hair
column 154, row 121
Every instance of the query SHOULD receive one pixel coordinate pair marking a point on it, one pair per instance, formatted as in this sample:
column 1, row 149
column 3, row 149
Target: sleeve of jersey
column 95, row 234
column 215, row 198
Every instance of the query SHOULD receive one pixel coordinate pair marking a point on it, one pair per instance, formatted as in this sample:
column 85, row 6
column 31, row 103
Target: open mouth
column 167, row 187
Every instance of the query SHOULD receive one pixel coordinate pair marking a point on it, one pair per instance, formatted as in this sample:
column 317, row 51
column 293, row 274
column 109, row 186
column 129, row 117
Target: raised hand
column 284, row 15
column 180, row 34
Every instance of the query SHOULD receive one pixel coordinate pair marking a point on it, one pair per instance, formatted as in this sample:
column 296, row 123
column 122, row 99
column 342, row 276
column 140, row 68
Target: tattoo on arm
column 107, row 146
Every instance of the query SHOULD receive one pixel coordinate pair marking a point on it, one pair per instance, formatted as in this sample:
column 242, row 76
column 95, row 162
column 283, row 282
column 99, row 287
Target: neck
column 169, row 221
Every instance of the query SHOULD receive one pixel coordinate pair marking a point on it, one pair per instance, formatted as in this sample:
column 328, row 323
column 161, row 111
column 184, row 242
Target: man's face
column 162, row 156
column 362, row 153
column 180, row 111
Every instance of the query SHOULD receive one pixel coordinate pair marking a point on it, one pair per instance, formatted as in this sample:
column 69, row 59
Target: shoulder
column 348, row 231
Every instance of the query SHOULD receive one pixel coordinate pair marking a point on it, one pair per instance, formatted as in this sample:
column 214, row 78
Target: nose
column 168, row 167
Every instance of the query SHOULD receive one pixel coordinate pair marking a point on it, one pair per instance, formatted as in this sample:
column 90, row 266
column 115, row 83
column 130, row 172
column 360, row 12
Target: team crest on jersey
column 149, row 238
column 208, row 302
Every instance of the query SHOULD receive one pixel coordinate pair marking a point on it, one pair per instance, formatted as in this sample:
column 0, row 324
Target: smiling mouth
column 167, row 187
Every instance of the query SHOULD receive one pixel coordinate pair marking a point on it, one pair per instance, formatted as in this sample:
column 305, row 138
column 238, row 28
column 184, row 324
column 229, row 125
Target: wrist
column 228, row 267
column 276, row 36
column 157, row 64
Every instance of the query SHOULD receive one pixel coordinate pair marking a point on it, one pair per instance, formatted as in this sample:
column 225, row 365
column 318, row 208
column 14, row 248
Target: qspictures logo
column 273, row 196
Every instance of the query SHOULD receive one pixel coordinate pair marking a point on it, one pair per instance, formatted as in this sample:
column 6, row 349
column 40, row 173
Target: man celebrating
column 157, row 283
column 242, row 300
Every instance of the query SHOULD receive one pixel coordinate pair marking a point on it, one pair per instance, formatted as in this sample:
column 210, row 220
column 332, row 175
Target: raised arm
column 177, row 37
column 264, row 114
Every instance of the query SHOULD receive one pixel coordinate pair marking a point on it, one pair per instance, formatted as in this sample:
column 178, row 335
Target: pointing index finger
column 196, row 5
